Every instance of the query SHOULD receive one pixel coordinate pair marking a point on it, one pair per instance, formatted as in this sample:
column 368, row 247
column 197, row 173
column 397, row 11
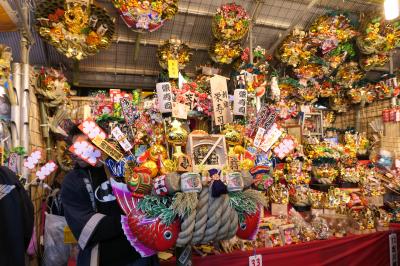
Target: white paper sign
column 121, row 138
column 180, row 110
column 239, row 102
column 164, row 95
column 219, row 94
column 270, row 138
column 255, row 260
column 259, row 137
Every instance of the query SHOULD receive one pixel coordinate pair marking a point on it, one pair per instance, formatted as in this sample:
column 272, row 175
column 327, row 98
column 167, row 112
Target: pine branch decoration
column 156, row 207
column 242, row 204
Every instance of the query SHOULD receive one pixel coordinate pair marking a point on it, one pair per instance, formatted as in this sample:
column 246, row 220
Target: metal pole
column 394, row 99
column 258, row 3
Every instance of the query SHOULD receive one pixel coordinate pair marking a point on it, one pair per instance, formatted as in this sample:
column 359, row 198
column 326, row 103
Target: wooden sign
column 219, row 95
column 233, row 162
column 164, row 96
column 108, row 148
column 180, row 110
column 173, row 69
column 184, row 164
column 121, row 138
column 207, row 151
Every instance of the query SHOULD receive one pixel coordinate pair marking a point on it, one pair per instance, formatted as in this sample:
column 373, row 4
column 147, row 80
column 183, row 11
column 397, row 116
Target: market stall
column 238, row 150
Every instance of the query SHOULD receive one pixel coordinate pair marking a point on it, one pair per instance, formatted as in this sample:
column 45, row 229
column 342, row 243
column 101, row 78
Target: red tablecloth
column 365, row 250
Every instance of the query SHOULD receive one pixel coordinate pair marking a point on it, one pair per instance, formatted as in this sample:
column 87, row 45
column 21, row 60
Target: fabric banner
column 368, row 249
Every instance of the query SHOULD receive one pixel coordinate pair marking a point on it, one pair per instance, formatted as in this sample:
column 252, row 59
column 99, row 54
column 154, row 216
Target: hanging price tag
column 173, row 69
column 255, row 260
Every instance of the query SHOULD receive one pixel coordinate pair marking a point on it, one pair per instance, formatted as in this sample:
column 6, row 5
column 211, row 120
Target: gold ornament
column 152, row 166
column 168, row 166
column 239, row 149
column 156, row 151
column 246, row 164
column 177, row 134
column 75, row 18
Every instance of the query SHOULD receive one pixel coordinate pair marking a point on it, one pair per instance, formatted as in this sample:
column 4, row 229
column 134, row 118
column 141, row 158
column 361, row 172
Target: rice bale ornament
column 74, row 29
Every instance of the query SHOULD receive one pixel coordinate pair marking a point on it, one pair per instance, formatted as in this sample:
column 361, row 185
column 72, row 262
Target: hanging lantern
column 146, row 16
column 74, row 29
column 173, row 50
column 231, row 22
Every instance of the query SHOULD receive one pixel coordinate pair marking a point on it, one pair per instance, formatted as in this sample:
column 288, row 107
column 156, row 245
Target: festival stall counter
column 369, row 249
column 198, row 167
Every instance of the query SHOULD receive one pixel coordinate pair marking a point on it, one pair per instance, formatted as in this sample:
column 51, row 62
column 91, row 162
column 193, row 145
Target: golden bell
column 156, row 151
column 152, row 166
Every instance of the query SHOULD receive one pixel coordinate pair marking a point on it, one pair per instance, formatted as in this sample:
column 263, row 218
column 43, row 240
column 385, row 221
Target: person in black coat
column 16, row 219
column 94, row 216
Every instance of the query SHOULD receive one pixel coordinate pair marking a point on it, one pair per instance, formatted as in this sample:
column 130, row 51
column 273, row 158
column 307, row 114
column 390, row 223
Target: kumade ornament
column 91, row 129
column 86, row 151
column 46, row 170
column 33, row 159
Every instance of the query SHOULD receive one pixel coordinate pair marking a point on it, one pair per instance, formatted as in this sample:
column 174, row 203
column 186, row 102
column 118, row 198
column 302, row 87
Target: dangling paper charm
column 33, row 159
column 91, row 129
column 275, row 91
column 46, row 170
column 86, row 151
